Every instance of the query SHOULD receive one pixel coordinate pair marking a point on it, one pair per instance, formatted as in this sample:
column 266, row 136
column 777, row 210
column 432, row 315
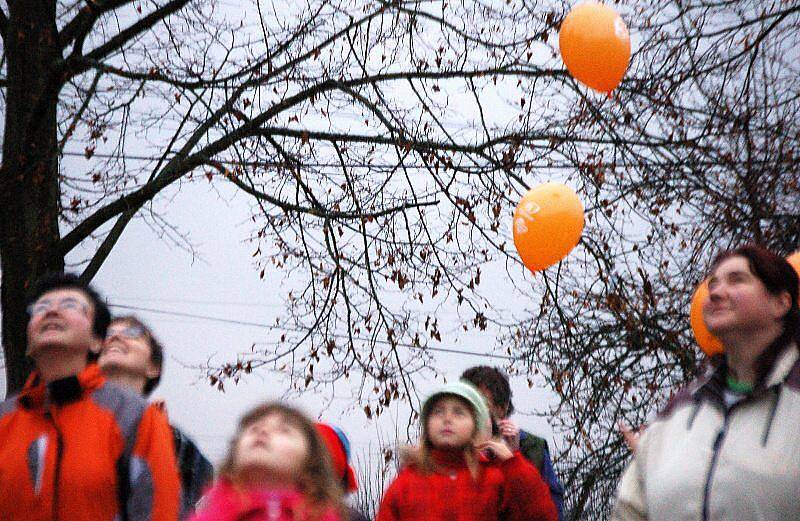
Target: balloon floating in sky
column 595, row 45
column 710, row 344
column 548, row 223
column 794, row 260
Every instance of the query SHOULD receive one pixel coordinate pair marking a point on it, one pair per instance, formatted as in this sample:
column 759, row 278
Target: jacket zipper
column 727, row 411
column 59, row 456
column 712, row 467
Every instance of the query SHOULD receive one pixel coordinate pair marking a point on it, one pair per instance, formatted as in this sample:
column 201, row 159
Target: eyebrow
column 734, row 272
column 738, row 272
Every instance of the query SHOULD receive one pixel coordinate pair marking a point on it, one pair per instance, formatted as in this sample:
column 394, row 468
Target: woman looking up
column 727, row 447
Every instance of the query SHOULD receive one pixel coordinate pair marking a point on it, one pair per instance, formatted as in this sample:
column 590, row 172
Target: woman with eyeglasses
column 727, row 446
column 132, row 357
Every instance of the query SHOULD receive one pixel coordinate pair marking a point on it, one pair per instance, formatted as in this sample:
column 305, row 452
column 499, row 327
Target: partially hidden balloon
column 794, row 260
column 595, row 45
column 548, row 223
column 710, row 344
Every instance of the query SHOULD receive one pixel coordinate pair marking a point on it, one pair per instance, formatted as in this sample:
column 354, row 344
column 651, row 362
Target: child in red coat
column 277, row 469
column 458, row 474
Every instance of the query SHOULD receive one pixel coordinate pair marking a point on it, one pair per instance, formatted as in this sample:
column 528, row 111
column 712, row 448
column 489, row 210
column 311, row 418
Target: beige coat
column 702, row 461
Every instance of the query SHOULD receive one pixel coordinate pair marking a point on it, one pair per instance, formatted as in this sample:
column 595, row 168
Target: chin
column 450, row 445
column 47, row 344
column 719, row 328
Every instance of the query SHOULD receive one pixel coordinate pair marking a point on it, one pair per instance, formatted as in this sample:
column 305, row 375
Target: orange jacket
column 60, row 445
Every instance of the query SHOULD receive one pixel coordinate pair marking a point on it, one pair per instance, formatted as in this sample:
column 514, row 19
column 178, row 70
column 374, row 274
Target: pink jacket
column 226, row 502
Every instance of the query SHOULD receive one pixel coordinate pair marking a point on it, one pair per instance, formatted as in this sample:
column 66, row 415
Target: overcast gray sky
column 146, row 271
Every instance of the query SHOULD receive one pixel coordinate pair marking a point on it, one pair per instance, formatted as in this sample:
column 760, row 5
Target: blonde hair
column 316, row 480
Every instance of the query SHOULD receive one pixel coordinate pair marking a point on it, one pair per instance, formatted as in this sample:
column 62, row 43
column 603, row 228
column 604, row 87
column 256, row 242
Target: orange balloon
column 548, row 223
column 710, row 344
column 595, row 45
column 794, row 260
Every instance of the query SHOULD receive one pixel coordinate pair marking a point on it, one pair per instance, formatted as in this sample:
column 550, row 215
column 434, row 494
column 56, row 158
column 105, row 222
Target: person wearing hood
column 726, row 447
column 458, row 472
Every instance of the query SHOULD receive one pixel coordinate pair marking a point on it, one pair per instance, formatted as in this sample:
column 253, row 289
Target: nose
column 716, row 291
column 262, row 431
column 51, row 310
column 111, row 333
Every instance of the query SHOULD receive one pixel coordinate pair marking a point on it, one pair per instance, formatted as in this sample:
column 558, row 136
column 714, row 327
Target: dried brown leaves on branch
column 384, row 146
column 381, row 144
column 699, row 157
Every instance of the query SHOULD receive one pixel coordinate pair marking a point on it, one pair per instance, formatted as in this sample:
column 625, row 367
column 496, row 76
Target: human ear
column 96, row 346
column 782, row 304
column 153, row 371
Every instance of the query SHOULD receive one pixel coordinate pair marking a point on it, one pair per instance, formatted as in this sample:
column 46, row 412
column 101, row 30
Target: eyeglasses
column 131, row 332
column 66, row 304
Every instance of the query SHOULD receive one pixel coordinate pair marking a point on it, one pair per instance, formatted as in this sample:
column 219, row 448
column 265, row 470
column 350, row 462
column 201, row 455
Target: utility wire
column 298, row 330
column 416, row 166
column 338, row 166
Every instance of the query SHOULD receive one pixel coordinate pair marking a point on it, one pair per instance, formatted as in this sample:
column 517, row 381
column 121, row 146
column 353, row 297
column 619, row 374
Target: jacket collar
column 448, row 458
column 59, row 392
column 783, row 366
column 712, row 385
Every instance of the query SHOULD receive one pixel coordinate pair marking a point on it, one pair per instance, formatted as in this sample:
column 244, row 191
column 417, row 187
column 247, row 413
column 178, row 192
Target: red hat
column 339, row 449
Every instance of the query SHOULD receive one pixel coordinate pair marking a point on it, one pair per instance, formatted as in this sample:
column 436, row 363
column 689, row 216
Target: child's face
column 450, row 424
column 272, row 444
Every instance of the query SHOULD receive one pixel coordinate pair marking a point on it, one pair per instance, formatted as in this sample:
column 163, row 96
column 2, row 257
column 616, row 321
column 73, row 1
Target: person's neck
column 57, row 365
column 127, row 380
column 262, row 478
column 743, row 348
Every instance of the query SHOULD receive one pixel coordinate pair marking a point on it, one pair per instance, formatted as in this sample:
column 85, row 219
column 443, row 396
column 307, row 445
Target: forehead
column 63, row 293
column 449, row 400
column 730, row 265
column 273, row 419
column 122, row 322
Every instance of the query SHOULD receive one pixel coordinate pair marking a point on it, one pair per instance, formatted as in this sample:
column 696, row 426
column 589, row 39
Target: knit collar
column 61, row 391
column 449, row 459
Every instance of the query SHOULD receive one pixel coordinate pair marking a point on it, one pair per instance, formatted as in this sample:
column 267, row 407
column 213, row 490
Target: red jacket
column 60, row 444
column 511, row 490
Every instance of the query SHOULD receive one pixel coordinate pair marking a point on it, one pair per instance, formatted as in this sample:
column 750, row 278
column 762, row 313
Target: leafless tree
column 700, row 157
column 384, row 146
column 359, row 128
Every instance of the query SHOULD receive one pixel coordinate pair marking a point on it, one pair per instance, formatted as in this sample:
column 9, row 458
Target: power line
column 202, row 302
column 417, row 166
column 219, row 302
column 450, row 350
column 277, row 164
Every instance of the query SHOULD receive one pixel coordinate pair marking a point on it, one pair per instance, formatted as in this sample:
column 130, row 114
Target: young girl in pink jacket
column 277, row 469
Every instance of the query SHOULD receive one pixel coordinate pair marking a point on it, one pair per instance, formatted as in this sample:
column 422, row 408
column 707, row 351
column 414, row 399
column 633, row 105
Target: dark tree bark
column 29, row 185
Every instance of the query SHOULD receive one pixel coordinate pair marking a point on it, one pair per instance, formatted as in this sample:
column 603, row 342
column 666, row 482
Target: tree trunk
column 29, row 188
